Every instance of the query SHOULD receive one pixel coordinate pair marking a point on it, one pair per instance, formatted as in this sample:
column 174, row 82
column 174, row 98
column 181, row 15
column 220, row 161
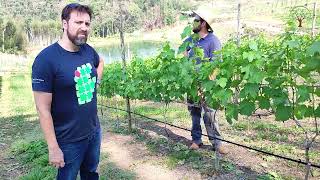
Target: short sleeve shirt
column 209, row 44
column 71, row 78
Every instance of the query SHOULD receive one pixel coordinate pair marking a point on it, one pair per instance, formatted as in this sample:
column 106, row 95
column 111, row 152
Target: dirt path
column 128, row 154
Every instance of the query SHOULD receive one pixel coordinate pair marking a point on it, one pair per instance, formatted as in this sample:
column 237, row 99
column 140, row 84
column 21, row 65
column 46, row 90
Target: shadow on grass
column 13, row 127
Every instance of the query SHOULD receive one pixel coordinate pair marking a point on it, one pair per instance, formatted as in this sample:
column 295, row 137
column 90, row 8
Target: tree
column 2, row 26
column 39, row 20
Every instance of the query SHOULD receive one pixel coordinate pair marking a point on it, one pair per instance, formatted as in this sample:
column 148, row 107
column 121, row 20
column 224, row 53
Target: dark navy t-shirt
column 71, row 78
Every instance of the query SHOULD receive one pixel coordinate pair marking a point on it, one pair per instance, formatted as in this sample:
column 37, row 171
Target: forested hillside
column 38, row 21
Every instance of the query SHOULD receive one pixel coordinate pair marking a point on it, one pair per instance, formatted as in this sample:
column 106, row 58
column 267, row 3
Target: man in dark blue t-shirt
column 64, row 80
column 209, row 43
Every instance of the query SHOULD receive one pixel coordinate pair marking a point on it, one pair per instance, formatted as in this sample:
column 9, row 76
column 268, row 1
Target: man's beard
column 196, row 29
column 77, row 40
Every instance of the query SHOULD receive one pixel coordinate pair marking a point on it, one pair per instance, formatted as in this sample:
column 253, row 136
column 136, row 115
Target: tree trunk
column 3, row 39
column 314, row 19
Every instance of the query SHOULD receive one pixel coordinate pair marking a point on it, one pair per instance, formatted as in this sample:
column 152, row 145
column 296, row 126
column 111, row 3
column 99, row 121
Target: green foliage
column 266, row 73
column 2, row 26
column 14, row 37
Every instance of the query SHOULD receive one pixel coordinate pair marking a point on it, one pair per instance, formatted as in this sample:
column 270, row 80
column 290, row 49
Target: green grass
column 17, row 96
column 21, row 128
column 265, row 126
column 18, row 117
column 34, row 155
column 29, row 152
column 176, row 114
column 269, row 176
column 276, row 138
column 270, row 131
column 229, row 167
column 146, row 110
column 271, row 136
column 40, row 173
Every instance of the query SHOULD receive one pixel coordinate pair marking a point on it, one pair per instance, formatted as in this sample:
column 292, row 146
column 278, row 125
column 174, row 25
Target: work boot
column 222, row 149
column 195, row 146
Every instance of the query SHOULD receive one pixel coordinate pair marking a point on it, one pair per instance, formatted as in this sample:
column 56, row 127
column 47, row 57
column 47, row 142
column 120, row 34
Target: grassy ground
column 18, row 120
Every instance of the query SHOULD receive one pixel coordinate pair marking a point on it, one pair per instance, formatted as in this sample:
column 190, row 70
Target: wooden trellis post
column 123, row 55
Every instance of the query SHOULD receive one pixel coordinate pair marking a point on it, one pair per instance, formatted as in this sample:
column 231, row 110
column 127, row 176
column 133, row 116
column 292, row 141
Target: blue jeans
column 210, row 122
column 81, row 155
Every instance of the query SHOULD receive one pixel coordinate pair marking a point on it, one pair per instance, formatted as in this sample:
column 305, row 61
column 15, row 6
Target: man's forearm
column 47, row 127
column 100, row 69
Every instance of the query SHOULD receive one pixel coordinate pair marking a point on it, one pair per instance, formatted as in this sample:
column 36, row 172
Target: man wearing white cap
column 202, row 25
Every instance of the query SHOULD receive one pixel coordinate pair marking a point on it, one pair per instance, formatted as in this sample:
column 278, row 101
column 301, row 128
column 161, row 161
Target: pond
column 143, row 49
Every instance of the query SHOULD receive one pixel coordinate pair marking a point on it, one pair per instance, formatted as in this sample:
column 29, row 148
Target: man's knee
column 194, row 111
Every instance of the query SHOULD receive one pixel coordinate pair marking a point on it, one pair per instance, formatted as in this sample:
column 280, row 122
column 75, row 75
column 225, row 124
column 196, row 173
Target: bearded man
column 65, row 76
column 209, row 43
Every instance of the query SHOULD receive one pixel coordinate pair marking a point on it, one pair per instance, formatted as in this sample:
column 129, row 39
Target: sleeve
column 42, row 75
column 96, row 58
column 215, row 46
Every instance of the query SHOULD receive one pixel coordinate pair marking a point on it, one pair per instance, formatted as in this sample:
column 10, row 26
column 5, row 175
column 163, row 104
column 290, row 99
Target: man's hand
column 56, row 158
column 214, row 74
column 185, row 53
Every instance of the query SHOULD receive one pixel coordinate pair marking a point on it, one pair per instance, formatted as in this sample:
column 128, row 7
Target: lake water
column 143, row 49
